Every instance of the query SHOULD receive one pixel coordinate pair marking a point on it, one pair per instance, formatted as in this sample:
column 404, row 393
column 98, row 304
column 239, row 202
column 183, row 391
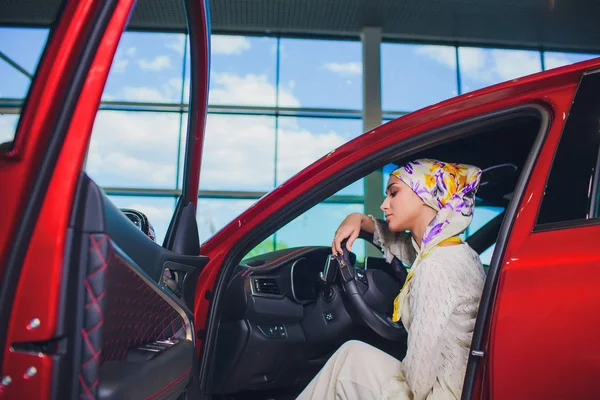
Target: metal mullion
column 338, row 37
column 146, row 192
column 278, row 113
column 219, row 194
column 11, row 106
column 240, row 110
column 217, row 109
column 542, row 59
column 458, row 76
column 276, row 154
column 281, row 110
column 16, row 66
column 143, row 107
column 313, row 114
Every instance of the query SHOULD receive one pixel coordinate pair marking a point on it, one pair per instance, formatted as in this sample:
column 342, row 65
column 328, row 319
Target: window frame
column 572, row 124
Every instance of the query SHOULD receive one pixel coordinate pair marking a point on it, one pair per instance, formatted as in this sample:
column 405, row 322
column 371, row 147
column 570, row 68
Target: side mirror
column 140, row 220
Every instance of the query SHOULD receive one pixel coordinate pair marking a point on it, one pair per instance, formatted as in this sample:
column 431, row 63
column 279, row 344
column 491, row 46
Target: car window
column 20, row 53
column 315, row 227
column 137, row 145
column 571, row 195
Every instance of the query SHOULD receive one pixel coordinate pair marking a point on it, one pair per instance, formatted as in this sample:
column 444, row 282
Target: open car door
column 84, row 311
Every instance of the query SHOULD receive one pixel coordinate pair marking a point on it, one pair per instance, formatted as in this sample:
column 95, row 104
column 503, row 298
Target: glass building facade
column 276, row 104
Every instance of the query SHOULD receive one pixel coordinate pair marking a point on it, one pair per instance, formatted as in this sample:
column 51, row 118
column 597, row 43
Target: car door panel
column 538, row 331
column 86, row 287
column 541, row 327
column 164, row 377
column 40, row 174
column 123, row 308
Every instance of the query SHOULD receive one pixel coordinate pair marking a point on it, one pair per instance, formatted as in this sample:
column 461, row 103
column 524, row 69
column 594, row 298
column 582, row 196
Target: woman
column 437, row 305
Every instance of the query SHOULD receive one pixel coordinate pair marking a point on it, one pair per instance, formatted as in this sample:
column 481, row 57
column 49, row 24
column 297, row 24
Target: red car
column 85, row 311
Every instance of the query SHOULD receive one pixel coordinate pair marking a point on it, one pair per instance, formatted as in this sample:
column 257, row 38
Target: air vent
column 266, row 286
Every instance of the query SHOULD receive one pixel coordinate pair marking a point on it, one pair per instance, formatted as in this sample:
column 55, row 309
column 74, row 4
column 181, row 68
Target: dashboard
column 281, row 319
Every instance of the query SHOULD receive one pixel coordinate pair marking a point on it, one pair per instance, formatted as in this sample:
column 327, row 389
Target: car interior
column 285, row 312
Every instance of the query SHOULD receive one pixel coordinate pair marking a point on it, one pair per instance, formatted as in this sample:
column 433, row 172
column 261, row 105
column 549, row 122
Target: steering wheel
column 371, row 293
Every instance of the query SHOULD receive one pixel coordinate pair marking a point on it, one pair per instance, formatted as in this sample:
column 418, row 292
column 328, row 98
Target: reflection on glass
column 486, row 256
column 266, row 246
column 8, row 127
column 147, row 68
column 159, row 210
column 555, row 60
column 317, row 226
column 301, row 141
column 320, row 73
column 214, row 214
column 481, row 216
column 416, row 76
column 481, row 67
column 239, row 153
column 134, row 149
column 242, row 70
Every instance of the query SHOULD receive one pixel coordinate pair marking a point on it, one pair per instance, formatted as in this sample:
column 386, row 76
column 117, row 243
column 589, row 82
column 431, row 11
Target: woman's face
column 402, row 206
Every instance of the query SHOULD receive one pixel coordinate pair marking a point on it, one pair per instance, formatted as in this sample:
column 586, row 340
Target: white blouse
column 438, row 310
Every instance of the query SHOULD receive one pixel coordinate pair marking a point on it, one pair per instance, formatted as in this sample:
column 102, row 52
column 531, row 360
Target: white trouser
column 355, row 371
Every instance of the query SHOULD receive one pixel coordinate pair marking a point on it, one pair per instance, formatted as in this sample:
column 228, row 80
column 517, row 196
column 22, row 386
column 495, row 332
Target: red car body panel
column 541, row 283
column 545, row 331
column 39, row 285
column 543, row 334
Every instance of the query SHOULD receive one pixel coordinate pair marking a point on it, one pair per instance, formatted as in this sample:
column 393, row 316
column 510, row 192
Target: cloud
column 350, row 68
column 240, row 151
column 131, row 51
column 176, row 44
column 471, row 59
column 170, row 91
column 488, row 66
column 252, row 89
column 122, row 59
column 298, row 148
column 443, row 54
column 136, row 148
column 556, row 60
column 158, row 63
column 144, row 94
column 513, row 64
column 229, row 45
column 120, row 65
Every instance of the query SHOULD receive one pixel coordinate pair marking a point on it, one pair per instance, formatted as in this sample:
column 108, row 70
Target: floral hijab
column 450, row 190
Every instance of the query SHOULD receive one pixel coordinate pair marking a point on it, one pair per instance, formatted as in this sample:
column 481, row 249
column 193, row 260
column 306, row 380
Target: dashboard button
column 273, row 331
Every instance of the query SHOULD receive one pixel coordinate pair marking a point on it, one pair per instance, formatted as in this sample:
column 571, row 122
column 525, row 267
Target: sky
column 255, row 152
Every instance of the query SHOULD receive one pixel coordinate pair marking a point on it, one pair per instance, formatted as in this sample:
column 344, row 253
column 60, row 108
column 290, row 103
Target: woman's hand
column 350, row 229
